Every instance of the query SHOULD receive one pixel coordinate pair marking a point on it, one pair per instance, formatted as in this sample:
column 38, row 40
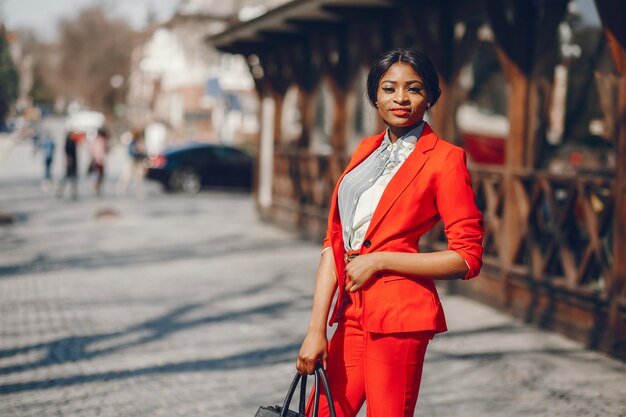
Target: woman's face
column 401, row 96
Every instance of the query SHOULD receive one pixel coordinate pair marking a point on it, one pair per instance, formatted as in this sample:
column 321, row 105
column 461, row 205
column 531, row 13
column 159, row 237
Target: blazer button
column 367, row 243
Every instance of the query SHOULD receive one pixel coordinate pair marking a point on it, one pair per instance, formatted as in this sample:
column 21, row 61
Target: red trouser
column 384, row 369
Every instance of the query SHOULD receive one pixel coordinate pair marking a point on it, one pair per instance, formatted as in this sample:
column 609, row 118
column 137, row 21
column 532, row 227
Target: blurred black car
column 190, row 167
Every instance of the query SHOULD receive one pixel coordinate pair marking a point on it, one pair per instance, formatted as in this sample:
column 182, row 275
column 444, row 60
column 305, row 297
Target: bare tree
column 92, row 48
column 9, row 77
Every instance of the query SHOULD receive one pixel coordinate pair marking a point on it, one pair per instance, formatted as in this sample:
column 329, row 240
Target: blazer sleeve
column 463, row 222
column 326, row 244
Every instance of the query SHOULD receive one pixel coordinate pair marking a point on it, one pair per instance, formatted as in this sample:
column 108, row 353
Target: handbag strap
column 316, row 399
column 292, row 389
column 320, row 375
column 302, row 394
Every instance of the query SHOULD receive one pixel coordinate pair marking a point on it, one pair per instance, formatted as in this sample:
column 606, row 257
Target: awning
column 293, row 19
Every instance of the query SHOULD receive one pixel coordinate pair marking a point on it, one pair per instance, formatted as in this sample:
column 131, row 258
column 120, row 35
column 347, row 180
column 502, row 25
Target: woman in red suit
column 397, row 186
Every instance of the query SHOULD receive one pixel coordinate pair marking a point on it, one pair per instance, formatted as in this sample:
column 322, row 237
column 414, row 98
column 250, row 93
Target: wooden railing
column 560, row 259
column 566, row 231
column 569, row 230
column 488, row 184
column 304, row 183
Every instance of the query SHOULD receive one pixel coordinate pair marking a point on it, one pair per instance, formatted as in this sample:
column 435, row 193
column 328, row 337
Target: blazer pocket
column 392, row 278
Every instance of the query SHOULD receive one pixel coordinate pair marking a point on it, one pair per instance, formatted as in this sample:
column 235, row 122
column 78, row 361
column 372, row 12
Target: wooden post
column 613, row 17
column 517, row 71
column 263, row 178
column 340, row 63
column 307, row 116
column 306, row 73
column 279, row 99
column 617, row 322
column 522, row 34
column 514, row 220
column 279, row 74
column 338, row 139
column 265, row 164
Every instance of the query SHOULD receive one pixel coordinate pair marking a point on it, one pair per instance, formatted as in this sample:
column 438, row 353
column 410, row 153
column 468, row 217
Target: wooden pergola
column 553, row 255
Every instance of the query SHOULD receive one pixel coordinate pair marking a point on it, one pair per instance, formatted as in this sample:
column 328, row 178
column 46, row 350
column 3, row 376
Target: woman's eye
column 388, row 89
column 415, row 90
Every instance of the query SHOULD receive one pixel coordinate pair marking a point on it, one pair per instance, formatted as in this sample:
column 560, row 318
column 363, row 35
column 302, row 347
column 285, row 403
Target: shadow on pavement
column 252, row 359
column 73, row 349
column 80, row 348
column 216, row 248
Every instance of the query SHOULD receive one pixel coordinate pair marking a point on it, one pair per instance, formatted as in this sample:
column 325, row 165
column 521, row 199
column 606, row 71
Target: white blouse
column 371, row 197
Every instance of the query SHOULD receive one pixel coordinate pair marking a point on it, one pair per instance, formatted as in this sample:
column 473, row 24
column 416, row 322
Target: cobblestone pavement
column 188, row 306
column 7, row 141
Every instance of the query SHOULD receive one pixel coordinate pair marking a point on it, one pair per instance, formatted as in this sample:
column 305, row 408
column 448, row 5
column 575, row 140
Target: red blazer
column 432, row 184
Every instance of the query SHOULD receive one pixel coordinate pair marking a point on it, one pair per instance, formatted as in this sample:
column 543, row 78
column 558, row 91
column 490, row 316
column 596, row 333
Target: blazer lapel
column 405, row 175
column 360, row 154
column 364, row 151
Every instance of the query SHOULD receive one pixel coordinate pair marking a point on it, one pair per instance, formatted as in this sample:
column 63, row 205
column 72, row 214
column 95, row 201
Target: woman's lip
column 400, row 112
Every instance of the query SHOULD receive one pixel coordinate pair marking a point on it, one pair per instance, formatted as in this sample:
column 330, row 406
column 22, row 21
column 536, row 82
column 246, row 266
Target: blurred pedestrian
column 47, row 148
column 98, row 150
column 397, row 186
column 35, row 140
column 134, row 169
column 71, row 165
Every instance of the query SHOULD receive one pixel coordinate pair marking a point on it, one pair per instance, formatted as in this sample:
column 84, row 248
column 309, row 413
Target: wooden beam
column 374, row 39
column 524, row 34
column 306, row 63
column 312, row 25
column 244, row 47
column 613, row 15
column 362, row 14
column 275, row 36
column 275, row 70
column 435, row 29
column 339, row 58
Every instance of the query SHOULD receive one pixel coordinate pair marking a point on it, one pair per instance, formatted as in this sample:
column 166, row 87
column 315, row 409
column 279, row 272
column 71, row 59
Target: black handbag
column 284, row 411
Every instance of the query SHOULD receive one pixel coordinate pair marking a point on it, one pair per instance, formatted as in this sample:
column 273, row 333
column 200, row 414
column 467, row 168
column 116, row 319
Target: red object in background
column 576, row 158
column 484, row 149
column 483, row 133
column 78, row 137
column 158, row 161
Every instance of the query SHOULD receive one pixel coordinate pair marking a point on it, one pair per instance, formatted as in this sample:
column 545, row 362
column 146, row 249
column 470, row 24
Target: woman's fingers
column 314, row 349
column 305, row 365
column 352, row 285
column 302, row 365
column 360, row 271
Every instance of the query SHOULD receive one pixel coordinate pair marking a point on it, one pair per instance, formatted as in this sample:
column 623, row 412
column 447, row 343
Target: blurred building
column 535, row 92
column 180, row 89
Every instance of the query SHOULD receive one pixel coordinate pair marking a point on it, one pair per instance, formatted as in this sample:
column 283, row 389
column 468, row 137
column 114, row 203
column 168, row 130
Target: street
column 179, row 305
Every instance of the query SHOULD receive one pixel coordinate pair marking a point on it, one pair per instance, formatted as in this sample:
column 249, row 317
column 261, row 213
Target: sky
column 42, row 15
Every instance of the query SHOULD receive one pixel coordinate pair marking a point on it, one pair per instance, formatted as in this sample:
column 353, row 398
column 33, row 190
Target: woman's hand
column 313, row 349
column 361, row 269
